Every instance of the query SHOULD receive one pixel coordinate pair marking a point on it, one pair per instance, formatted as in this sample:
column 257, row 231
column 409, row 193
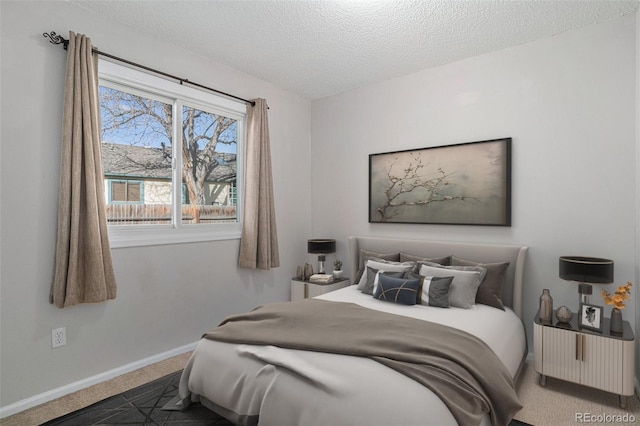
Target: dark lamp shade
column 586, row 269
column 321, row 246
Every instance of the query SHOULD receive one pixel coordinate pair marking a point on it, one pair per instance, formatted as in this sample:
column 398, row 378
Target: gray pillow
column 482, row 270
column 434, row 290
column 466, row 280
column 366, row 255
column 384, row 265
column 406, row 257
column 490, row 290
column 372, row 273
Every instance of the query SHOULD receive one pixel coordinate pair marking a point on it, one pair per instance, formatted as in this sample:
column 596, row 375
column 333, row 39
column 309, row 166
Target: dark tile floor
column 142, row 406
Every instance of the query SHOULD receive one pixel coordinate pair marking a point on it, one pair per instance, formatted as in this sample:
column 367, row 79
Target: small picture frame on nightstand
column 590, row 317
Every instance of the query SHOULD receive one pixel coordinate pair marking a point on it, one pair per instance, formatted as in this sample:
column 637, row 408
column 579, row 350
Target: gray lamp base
column 585, row 290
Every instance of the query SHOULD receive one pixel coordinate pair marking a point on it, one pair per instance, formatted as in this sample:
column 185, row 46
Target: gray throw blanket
column 458, row 367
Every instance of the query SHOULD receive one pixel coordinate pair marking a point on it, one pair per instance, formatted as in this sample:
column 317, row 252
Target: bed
column 321, row 380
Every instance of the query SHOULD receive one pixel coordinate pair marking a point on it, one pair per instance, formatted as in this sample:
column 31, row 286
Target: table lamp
column 586, row 271
column 321, row 247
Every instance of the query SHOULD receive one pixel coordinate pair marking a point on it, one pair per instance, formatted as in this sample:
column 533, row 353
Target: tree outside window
column 183, row 146
column 137, row 134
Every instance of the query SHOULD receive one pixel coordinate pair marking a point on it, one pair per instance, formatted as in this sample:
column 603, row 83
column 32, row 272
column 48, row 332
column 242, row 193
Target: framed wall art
column 590, row 317
column 462, row 184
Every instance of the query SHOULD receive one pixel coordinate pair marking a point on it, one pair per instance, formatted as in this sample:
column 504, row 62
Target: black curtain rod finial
column 56, row 39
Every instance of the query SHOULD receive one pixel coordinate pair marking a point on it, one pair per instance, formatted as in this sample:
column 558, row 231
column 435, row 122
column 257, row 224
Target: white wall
column 168, row 295
column 637, row 282
column 568, row 102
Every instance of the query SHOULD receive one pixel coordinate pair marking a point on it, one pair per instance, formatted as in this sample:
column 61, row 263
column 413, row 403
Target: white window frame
column 120, row 77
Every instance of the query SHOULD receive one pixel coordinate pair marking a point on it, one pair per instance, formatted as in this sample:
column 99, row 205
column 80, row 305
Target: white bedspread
column 291, row 387
column 501, row 330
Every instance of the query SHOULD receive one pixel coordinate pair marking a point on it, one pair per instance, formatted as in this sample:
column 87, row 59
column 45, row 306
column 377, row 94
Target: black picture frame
column 590, row 317
column 460, row 184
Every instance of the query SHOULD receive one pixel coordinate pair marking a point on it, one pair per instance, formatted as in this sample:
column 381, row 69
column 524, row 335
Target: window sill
column 153, row 237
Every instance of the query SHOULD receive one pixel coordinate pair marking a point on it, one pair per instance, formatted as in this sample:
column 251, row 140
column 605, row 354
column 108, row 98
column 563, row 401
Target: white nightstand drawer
column 305, row 289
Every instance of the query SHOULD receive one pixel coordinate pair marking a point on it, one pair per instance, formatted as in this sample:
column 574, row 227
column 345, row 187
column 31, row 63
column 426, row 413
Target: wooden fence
column 137, row 214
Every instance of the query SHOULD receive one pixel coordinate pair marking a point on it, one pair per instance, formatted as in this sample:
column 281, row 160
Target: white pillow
column 464, row 285
column 383, row 265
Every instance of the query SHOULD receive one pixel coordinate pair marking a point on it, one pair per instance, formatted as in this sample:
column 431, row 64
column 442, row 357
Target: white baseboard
column 52, row 394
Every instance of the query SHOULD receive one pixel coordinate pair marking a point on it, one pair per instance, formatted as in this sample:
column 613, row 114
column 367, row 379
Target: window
column 171, row 157
column 125, row 191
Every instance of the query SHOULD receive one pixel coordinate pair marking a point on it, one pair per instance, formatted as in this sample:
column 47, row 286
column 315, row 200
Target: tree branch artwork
column 411, row 180
column 461, row 184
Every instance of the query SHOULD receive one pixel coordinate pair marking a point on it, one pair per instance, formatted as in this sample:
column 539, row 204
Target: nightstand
column 599, row 360
column 301, row 289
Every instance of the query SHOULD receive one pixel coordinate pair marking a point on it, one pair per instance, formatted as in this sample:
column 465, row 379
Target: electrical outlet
column 58, row 337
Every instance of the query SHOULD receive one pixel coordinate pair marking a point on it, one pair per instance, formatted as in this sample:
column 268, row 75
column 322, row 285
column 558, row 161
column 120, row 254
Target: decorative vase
column 308, row 271
column 546, row 306
column 564, row 314
column 616, row 321
column 300, row 273
column 338, row 273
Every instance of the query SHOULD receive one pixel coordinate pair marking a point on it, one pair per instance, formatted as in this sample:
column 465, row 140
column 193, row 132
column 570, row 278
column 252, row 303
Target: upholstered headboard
column 485, row 253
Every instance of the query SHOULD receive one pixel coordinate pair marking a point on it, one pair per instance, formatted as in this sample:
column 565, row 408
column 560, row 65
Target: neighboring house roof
column 135, row 161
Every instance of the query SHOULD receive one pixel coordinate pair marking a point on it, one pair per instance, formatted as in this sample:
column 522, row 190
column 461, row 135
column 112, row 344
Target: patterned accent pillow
column 434, row 291
column 490, row 290
column 397, row 290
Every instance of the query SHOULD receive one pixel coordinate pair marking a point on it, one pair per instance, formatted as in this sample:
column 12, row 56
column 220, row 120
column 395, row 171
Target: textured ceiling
column 320, row 48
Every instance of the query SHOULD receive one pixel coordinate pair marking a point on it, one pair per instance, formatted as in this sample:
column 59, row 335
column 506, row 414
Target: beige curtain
column 259, row 244
column 83, row 269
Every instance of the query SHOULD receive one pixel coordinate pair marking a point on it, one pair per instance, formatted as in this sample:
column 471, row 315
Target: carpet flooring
column 554, row 405
column 144, row 406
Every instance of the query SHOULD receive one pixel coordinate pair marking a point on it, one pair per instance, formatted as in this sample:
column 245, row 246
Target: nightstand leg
column 623, row 401
column 543, row 380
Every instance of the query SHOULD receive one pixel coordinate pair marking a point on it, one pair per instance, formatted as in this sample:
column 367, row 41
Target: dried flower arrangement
column 618, row 298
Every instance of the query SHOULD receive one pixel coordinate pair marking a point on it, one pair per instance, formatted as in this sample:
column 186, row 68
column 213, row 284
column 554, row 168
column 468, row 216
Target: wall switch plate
column 58, row 337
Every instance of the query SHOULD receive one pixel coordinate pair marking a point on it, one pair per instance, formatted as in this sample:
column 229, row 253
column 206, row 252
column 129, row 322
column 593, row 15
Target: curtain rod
column 58, row 39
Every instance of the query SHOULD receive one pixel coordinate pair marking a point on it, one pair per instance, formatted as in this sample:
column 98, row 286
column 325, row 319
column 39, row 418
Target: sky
column 145, row 129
